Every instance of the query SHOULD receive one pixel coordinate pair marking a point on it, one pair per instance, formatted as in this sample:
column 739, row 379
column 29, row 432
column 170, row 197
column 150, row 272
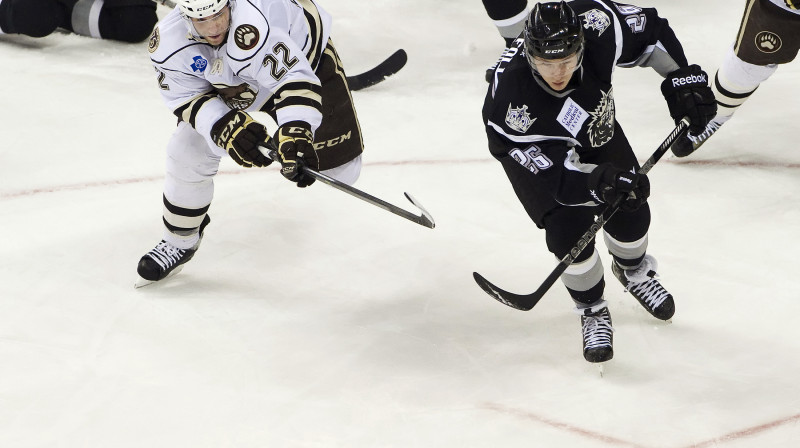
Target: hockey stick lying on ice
column 369, row 78
column 424, row 219
column 525, row 302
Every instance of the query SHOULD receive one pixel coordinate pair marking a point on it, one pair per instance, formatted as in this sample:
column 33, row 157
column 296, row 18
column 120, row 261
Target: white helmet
column 200, row 9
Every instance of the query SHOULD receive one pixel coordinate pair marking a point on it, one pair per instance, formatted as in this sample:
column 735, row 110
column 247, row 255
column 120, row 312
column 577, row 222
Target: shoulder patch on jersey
column 627, row 9
column 246, row 36
column 572, row 117
column 200, row 64
column 518, row 118
column 596, row 20
column 155, row 39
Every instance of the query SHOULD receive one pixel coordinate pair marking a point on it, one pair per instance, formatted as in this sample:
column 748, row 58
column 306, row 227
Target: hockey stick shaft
column 526, row 302
column 424, row 219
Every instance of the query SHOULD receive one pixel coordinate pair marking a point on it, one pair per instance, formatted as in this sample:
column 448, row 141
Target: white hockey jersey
column 266, row 63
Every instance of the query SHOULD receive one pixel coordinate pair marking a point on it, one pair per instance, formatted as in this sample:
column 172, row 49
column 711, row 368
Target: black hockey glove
column 238, row 134
column 688, row 94
column 296, row 150
column 606, row 182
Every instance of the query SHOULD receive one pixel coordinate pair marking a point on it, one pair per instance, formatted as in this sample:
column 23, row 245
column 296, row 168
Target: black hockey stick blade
column 387, row 68
column 525, row 302
column 424, row 218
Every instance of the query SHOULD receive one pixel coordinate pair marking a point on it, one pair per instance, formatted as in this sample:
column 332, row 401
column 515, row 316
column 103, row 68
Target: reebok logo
column 691, row 79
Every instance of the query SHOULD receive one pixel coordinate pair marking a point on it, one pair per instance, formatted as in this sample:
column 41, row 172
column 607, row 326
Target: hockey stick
column 424, row 219
column 525, row 302
column 369, row 78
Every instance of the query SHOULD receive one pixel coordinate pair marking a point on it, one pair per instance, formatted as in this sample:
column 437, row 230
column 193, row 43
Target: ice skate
column 642, row 284
column 165, row 260
column 597, row 333
column 688, row 143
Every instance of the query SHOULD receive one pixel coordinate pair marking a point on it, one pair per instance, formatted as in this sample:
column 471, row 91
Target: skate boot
column 642, row 283
column 166, row 260
column 688, row 143
column 597, row 332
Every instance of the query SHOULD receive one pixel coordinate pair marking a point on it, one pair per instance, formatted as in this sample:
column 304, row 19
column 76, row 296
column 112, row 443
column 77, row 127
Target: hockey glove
column 295, row 150
column 238, row 134
column 607, row 182
column 688, row 94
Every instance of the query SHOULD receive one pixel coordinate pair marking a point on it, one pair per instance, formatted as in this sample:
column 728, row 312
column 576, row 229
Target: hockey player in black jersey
column 550, row 121
column 122, row 20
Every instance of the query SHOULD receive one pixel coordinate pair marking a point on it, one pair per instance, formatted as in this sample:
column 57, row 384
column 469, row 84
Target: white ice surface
column 311, row 319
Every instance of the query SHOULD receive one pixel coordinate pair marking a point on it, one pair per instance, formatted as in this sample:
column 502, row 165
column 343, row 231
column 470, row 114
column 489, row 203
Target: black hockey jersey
column 549, row 139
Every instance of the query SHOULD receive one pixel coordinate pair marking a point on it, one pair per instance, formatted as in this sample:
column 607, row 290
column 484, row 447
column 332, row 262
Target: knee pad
column 35, row 18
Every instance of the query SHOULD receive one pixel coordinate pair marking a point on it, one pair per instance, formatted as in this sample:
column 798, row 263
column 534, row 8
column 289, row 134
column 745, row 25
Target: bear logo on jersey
column 155, row 39
column 236, row 97
column 768, row 42
column 601, row 128
column 246, row 37
column 518, row 118
column 596, row 20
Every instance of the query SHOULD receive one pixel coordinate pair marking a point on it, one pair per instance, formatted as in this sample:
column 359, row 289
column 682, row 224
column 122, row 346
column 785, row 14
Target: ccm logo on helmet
column 691, row 79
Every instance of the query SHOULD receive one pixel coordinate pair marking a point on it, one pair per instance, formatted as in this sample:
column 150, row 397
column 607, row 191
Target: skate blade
column 141, row 282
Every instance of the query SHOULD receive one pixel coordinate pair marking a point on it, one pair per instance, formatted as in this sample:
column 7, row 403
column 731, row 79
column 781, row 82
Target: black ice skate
column 688, row 143
column 642, row 283
column 597, row 333
column 166, row 260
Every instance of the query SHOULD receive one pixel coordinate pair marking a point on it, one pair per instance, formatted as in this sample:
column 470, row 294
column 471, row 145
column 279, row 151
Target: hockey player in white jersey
column 215, row 60
column 769, row 36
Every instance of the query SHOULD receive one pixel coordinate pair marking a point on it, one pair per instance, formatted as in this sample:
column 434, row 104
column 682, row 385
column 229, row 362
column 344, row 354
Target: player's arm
column 194, row 100
column 649, row 41
column 280, row 67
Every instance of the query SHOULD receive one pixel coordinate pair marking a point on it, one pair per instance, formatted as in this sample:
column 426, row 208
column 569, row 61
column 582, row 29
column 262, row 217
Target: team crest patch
column 155, row 39
column 601, row 128
column 217, row 66
column 200, row 64
column 768, row 42
column 246, row 37
column 596, row 20
column 518, row 118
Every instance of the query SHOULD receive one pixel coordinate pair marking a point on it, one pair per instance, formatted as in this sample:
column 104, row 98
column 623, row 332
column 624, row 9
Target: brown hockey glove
column 238, row 134
column 295, row 151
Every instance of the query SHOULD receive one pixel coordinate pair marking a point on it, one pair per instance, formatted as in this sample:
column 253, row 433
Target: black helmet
column 553, row 31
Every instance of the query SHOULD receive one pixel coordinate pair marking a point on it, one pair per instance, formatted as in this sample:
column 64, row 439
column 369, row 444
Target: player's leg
column 583, row 278
column 338, row 139
column 35, row 18
column 767, row 38
column 123, row 20
column 192, row 163
column 508, row 16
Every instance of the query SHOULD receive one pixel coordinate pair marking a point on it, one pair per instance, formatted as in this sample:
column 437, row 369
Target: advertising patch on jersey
column 236, row 97
column 246, row 36
column 572, row 117
column 518, row 118
column 596, row 20
column 768, row 42
column 155, row 39
column 601, row 128
column 200, row 64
